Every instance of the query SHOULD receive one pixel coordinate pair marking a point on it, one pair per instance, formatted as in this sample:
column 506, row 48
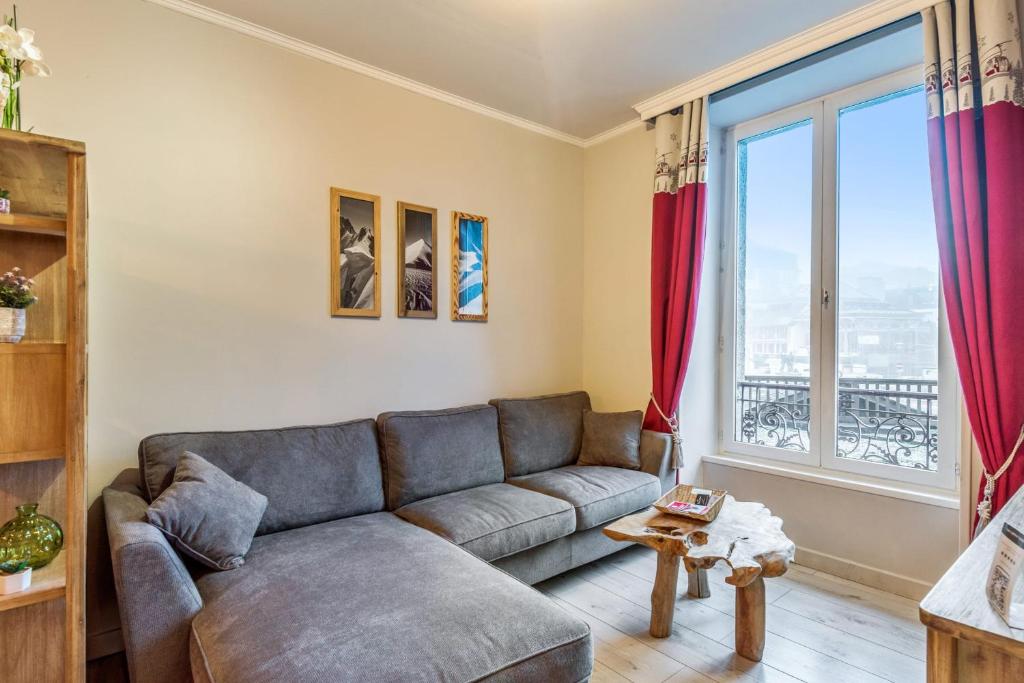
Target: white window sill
column 844, row 480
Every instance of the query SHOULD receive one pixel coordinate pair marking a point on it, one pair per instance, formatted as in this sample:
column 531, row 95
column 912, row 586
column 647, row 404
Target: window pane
column 773, row 288
column 887, row 341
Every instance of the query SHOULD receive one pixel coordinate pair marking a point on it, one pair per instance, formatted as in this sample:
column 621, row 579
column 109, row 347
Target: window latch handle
column 825, row 297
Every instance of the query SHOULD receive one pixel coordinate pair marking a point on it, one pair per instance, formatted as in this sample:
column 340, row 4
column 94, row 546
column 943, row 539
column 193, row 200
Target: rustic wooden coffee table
column 745, row 535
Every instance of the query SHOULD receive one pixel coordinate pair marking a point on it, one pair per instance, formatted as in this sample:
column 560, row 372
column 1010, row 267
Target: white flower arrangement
column 19, row 56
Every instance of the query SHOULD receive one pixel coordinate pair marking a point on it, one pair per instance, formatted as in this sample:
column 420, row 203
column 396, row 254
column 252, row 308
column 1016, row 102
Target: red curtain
column 677, row 252
column 975, row 88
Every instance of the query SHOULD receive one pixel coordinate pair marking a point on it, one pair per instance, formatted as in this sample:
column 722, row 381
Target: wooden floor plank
column 602, row 674
column 685, row 675
column 855, row 651
column 806, row 664
column 872, row 625
column 623, row 654
column 844, row 591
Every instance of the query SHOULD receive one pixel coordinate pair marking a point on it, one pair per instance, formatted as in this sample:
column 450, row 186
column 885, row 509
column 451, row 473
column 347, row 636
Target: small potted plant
column 15, row 296
column 5, row 201
column 15, row 579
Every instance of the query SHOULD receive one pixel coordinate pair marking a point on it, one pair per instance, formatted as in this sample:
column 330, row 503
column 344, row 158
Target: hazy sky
column 885, row 206
column 358, row 211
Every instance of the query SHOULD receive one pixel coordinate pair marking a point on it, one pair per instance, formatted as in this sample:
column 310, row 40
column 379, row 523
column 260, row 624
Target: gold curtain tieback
column 677, row 439
column 985, row 506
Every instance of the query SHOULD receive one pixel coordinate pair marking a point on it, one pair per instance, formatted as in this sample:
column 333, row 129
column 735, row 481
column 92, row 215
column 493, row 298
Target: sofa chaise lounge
column 390, row 550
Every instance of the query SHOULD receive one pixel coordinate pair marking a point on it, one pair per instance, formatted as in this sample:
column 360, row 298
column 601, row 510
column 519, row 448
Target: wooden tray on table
column 688, row 494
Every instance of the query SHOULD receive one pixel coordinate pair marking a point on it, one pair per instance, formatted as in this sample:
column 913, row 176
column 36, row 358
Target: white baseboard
column 890, row 582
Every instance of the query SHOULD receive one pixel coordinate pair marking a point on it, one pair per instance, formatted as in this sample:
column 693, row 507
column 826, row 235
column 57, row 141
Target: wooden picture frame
column 412, row 257
column 349, row 296
column 469, row 267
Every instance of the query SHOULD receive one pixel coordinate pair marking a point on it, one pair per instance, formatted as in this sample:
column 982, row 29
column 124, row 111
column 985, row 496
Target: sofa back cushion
column 430, row 452
column 541, row 433
column 308, row 474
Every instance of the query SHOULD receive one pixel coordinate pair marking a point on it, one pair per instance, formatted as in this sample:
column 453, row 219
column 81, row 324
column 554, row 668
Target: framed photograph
column 469, row 267
column 355, row 254
column 417, row 277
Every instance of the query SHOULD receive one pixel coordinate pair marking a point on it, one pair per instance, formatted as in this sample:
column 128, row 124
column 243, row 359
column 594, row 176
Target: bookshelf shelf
column 48, row 583
column 33, row 224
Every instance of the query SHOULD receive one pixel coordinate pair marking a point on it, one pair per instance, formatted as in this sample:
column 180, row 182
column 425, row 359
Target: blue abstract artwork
column 472, row 279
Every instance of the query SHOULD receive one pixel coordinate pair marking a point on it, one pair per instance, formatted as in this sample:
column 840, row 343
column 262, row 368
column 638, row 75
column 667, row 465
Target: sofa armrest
column 157, row 598
column 656, row 457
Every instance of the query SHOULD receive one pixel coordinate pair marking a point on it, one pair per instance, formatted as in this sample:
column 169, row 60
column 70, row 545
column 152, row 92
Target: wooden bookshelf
column 42, row 400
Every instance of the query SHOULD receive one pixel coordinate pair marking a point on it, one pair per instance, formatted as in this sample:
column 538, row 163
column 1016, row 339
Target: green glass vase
column 29, row 537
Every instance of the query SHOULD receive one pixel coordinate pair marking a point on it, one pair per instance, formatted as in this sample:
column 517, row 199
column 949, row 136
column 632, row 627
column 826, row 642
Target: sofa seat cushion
column 374, row 598
column 495, row 520
column 599, row 494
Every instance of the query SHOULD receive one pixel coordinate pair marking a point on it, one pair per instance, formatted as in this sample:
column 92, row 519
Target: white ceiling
column 576, row 66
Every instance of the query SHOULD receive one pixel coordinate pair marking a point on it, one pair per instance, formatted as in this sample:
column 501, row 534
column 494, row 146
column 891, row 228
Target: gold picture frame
column 415, row 251
column 469, row 267
column 349, row 296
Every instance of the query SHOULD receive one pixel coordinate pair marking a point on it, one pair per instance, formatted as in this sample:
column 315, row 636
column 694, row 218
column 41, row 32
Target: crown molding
column 613, row 132
column 845, row 26
column 301, row 47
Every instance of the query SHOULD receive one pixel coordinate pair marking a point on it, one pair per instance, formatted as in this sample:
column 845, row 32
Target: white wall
column 895, row 544
column 210, row 155
column 898, row 545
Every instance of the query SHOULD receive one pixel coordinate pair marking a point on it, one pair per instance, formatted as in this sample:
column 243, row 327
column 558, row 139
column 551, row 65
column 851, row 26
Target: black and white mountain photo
column 418, row 264
column 356, row 263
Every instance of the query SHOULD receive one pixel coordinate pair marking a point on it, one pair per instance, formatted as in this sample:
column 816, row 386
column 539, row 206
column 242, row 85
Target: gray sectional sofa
column 379, row 555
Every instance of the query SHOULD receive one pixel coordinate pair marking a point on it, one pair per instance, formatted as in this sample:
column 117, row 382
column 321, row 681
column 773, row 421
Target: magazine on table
column 703, row 500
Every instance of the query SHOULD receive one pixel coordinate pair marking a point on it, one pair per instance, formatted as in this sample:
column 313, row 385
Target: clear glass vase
column 10, row 109
column 29, row 537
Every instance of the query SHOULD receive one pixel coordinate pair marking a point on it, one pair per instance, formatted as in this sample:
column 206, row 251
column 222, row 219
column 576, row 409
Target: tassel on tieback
column 985, row 505
column 677, row 439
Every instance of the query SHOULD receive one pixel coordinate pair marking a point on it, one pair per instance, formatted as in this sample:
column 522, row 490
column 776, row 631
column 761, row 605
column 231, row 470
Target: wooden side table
column 967, row 640
column 744, row 535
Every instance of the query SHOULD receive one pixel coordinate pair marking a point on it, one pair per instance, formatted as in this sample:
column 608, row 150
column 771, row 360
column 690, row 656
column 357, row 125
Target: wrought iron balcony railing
column 891, row 421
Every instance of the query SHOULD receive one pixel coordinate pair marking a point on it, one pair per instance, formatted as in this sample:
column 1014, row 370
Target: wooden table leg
column 663, row 597
column 942, row 657
column 697, row 584
column 750, row 620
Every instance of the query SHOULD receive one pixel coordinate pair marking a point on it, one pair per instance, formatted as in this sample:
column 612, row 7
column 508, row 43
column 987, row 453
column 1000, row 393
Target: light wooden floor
column 820, row 628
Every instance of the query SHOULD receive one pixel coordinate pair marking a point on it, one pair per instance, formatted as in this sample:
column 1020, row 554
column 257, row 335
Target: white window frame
column 802, row 112
column 821, row 455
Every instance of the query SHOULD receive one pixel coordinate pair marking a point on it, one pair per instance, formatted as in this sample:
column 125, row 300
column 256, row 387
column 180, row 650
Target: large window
column 834, row 337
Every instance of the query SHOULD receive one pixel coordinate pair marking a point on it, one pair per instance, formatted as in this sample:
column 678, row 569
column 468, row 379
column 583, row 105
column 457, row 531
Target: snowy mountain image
column 419, row 283
column 419, row 255
column 356, row 261
column 418, row 232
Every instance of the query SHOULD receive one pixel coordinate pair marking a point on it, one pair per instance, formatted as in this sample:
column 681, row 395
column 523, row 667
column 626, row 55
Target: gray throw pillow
column 612, row 439
column 206, row 514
